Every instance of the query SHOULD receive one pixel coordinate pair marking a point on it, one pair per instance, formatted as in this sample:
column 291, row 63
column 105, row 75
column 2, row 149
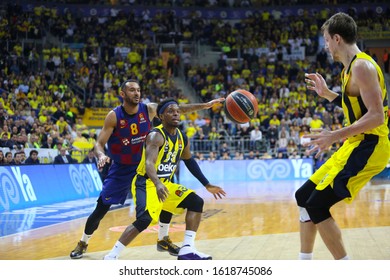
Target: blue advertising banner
column 250, row 170
column 36, row 185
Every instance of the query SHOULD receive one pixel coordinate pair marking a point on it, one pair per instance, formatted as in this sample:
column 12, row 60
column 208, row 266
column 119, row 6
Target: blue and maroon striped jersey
column 125, row 143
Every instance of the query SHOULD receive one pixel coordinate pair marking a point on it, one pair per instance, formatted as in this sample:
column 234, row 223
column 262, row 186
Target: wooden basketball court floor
column 255, row 221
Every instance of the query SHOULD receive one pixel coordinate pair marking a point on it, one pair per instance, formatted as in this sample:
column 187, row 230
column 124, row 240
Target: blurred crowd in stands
column 210, row 3
column 53, row 66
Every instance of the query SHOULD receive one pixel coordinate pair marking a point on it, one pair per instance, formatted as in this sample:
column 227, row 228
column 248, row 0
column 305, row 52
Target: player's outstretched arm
column 185, row 108
column 194, row 168
column 218, row 192
column 188, row 108
column 315, row 82
column 366, row 78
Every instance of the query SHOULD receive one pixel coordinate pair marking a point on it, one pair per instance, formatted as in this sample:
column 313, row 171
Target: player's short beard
column 129, row 100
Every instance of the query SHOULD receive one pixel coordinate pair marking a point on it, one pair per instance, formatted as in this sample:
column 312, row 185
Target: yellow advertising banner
column 95, row 117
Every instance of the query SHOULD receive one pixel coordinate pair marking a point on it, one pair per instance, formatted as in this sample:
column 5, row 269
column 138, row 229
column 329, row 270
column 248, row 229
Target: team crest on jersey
column 123, row 123
column 141, row 118
column 179, row 193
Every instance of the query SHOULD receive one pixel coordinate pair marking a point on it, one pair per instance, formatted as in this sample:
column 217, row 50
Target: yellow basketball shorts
column 351, row 167
column 146, row 199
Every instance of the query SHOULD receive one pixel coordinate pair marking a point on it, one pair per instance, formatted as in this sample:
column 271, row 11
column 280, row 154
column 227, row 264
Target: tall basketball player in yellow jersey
column 366, row 149
column 153, row 189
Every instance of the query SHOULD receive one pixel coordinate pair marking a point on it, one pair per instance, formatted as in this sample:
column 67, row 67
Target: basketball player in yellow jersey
column 365, row 151
column 153, row 189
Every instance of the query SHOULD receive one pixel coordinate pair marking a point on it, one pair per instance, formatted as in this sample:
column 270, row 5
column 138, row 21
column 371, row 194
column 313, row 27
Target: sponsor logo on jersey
column 166, row 167
column 180, row 144
column 138, row 139
column 141, row 118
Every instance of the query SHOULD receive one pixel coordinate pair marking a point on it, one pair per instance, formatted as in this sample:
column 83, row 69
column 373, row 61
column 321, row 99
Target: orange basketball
column 240, row 106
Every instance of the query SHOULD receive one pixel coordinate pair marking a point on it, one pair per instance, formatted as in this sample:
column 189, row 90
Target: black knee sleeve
column 165, row 217
column 319, row 203
column 192, row 202
column 304, row 192
column 317, row 215
column 143, row 221
column 97, row 215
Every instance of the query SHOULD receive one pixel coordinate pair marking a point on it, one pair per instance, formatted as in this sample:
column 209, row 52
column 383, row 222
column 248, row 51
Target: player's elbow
column 149, row 165
column 379, row 118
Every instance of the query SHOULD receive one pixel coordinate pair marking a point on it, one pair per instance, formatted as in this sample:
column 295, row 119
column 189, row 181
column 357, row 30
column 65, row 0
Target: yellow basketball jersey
column 354, row 107
column 168, row 157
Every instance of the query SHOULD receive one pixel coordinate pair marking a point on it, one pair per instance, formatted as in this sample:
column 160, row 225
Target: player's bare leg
column 331, row 235
column 307, row 234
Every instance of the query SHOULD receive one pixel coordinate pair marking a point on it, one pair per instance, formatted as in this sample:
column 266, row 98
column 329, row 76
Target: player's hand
column 103, row 160
column 314, row 81
column 321, row 140
column 215, row 101
column 218, row 192
column 162, row 192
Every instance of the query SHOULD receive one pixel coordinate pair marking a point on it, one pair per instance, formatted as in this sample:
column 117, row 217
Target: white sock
column 345, row 258
column 162, row 230
column 85, row 238
column 189, row 238
column 117, row 249
column 305, row 256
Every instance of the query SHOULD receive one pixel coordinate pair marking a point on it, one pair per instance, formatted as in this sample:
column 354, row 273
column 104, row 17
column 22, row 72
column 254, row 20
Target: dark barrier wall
column 33, row 185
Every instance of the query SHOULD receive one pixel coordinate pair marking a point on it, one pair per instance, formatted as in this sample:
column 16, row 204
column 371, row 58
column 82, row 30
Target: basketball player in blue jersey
column 366, row 149
column 154, row 191
column 124, row 131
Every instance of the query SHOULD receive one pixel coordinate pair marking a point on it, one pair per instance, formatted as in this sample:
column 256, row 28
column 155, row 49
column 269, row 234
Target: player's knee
column 319, row 204
column 303, row 215
column 304, row 192
column 193, row 202
column 165, row 217
column 197, row 204
column 301, row 200
column 142, row 222
column 318, row 215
